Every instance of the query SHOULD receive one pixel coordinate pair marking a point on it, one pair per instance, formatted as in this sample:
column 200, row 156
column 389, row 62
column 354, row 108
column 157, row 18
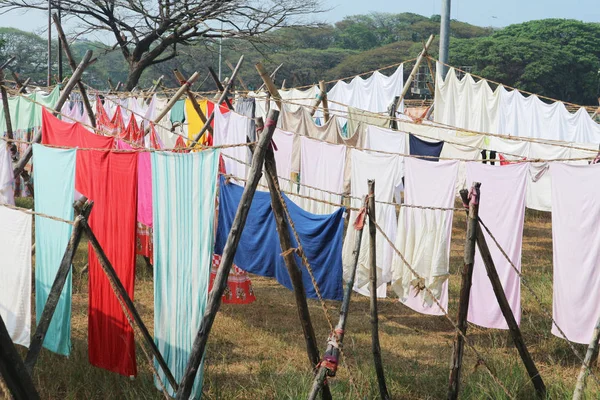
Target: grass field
column 257, row 351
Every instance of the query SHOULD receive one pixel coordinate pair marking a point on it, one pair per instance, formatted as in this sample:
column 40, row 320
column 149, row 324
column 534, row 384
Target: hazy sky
column 496, row 13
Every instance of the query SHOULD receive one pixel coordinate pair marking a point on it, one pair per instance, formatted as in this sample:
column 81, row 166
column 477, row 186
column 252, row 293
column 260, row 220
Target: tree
column 148, row 32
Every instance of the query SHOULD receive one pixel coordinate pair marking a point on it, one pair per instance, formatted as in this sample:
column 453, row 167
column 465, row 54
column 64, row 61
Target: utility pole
column 49, row 77
column 445, row 36
column 59, row 48
column 220, row 51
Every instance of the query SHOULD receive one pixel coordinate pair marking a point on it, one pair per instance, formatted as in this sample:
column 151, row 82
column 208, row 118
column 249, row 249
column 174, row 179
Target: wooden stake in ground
column 465, row 289
column 13, row 370
column 233, row 239
column 513, row 327
column 55, row 292
column 375, row 347
column 220, row 100
column 590, row 356
column 71, row 60
column 328, row 366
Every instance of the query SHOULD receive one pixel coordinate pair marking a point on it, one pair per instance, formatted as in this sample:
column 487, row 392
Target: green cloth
column 178, row 112
column 25, row 114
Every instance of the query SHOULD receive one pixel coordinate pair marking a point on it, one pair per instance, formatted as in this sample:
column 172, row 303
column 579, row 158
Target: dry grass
column 257, row 351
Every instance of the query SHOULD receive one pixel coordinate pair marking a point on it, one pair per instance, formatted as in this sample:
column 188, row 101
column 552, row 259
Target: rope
column 39, row 214
column 481, row 360
column 535, row 296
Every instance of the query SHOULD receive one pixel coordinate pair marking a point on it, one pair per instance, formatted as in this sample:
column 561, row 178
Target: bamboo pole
column 392, row 113
column 13, row 371
column 239, row 77
column 71, row 61
column 23, row 88
column 6, row 109
column 590, row 356
column 513, row 327
column 272, row 76
column 220, row 100
column 415, row 70
column 122, row 293
column 465, row 290
column 324, row 100
column 8, row 62
column 375, row 346
column 268, row 82
column 54, row 296
column 154, row 87
column 283, row 85
column 220, row 87
column 233, row 239
column 180, row 78
column 119, row 84
column 85, row 62
column 318, row 100
column 18, row 80
column 328, row 367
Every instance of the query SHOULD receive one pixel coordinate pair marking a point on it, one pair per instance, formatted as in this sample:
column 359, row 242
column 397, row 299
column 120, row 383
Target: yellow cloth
column 194, row 122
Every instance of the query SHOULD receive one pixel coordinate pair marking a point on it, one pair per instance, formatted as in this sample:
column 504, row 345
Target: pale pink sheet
column 576, row 249
column 144, row 200
column 502, row 209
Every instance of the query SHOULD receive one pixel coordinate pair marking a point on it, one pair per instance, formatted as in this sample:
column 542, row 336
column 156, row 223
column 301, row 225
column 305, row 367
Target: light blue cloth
column 54, row 180
column 184, row 195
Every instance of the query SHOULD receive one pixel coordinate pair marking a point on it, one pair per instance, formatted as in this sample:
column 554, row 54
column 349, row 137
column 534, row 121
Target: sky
column 497, row 13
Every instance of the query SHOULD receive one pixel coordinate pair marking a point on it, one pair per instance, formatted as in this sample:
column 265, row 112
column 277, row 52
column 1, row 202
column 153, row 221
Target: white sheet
column 576, row 249
column 502, row 209
column 424, row 235
column 6, row 175
column 15, row 270
column 231, row 128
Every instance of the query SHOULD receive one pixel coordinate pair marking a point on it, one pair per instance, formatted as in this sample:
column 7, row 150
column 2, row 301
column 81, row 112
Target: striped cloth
column 184, row 195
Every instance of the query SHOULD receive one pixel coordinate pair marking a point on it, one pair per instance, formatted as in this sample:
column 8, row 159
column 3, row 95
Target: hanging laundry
column 178, row 111
column 232, row 128
column 503, row 189
column 302, row 123
column 284, row 156
column 424, row 235
column 293, row 99
column 358, row 120
column 488, row 156
column 386, row 171
column 425, row 150
column 239, row 287
column 390, row 141
column 54, row 181
column 6, row 175
column 246, row 106
column 182, row 253
column 15, row 269
column 192, row 119
column 575, row 249
column 539, row 183
column 323, row 165
column 110, row 180
column 259, row 250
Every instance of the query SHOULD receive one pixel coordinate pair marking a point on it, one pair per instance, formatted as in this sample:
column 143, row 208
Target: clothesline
column 513, row 88
column 31, row 212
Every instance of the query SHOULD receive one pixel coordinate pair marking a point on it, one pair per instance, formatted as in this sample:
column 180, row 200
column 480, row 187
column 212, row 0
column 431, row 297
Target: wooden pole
column 392, row 113
column 154, row 87
column 122, row 293
column 324, row 101
column 119, row 84
column 272, row 76
column 220, row 100
column 20, row 167
column 375, row 346
column 220, row 87
column 283, row 85
column 54, row 296
column 183, row 89
column 513, row 327
column 465, row 289
column 65, row 45
column 18, row 80
column 13, row 371
column 318, row 100
column 332, row 354
column 23, row 88
column 8, row 62
column 415, row 70
column 233, row 239
column 268, row 82
column 590, row 356
column 239, row 77
column 181, row 79
column 6, row 109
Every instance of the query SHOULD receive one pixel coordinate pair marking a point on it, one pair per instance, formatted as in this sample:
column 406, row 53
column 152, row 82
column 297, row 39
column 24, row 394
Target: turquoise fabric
column 26, row 114
column 178, row 111
column 184, row 195
column 54, row 180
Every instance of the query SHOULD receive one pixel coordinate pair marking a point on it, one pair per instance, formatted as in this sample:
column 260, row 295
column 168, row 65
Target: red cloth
column 110, row 180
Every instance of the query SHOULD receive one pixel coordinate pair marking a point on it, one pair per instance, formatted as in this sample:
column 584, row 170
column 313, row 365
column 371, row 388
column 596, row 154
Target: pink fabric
column 576, row 249
column 144, row 185
column 502, row 209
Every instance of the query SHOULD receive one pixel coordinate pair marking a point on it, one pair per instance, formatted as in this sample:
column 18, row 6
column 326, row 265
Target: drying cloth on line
column 7, row 195
column 15, row 269
column 246, row 107
column 576, row 250
column 323, row 166
column 424, row 235
column 178, row 111
column 110, row 180
column 429, row 151
column 284, row 141
column 192, row 119
column 358, row 120
column 184, row 194
column 232, row 128
column 259, row 250
column 502, row 188
column 539, row 183
column 386, row 171
column 293, row 100
column 382, row 139
column 54, row 181
column 26, row 114
column 144, row 184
